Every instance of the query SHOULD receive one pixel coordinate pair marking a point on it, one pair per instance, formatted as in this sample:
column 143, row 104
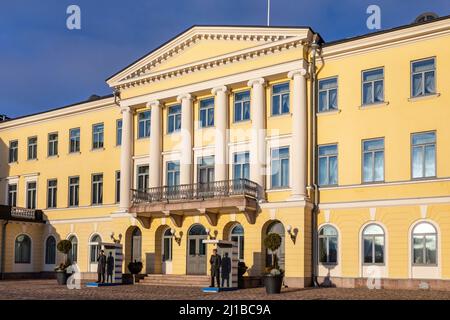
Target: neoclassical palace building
column 234, row 132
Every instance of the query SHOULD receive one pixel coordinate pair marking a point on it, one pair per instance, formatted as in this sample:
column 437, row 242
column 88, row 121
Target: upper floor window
column 242, row 106
column 424, row 243
column 52, row 191
column 12, row 195
column 423, row 155
column 328, row 91
column 207, row 113
column 31, row 195
column 280, row 99
column 373, row 86
column 328, row 165
column 13, row 151
column 117, row 186
column 423, row 77
column 280, row 167
column 32, row 148
column 173, row 173
column 241, row 165
column 373, row 244
column 97, row 136
column 119, row 132
column 174, row 119
column 74, row 191
column 373, row 160
column 205, row 170
column 328, row 245
column 142, row 177
column 53, row 144
column 97, row 189
column 74, row 140
column 144, row 124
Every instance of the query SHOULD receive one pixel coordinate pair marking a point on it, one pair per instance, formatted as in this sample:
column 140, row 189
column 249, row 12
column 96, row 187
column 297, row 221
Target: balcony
column 21, row 214
column 210, row 199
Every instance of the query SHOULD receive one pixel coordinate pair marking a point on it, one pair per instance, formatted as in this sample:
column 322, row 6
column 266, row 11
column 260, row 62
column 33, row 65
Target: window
column 373, row 86
column 97, row 136
column 373, row 244
column 12, row 195
column 50, row 250
column 205, row 171
column 52, row 144
column 95, row 247
column 142, row 178
column 328, row 245
column 117, row 186
column 32, row 148
column 144, row 124
column 328, row 165
column 73, row 253
column 423, row 80
column 13, row 151
column 31, row 195
column 74, row 188
column 22, row 249
column 74, row 140
column 280, row 99
column 242, row 106
column 97, row 189
column 424, row 239
column 328, row 92
column 207, row 113
column 373, row 160
column 424, row 155
column 173, row 173
column 119, row 132
column 280, row 167
column 237, row 235
column 51, row 193
column 241, row 165
column 167, row 245
column 174, row 119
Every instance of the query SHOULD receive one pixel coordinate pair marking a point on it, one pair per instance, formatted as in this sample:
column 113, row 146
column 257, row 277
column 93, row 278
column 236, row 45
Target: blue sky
column 44, row 65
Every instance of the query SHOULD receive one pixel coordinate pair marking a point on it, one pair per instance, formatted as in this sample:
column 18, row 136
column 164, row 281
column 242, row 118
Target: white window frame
column 423, row 145
column 96, row 186
column 423, row 78
column 32, row 148
column 280, row 94
column 147, row 124
column 100, row 136
column 52, row 145
column 372, row 83
column 328, row 95
column 52, row 191
column 74, row 187
column 172, row 117
column 373, row 160
column 14, row 150
column 76, row 138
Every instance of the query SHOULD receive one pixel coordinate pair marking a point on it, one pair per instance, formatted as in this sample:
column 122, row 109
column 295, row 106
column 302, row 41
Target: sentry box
column 230, row 247
column 116, row 250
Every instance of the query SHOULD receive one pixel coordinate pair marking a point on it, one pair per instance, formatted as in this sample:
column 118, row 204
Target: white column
column 126, row 161
column 258, row 143
column 155, row 144
column 221, row 141
column 299, row 134
column 186, row 138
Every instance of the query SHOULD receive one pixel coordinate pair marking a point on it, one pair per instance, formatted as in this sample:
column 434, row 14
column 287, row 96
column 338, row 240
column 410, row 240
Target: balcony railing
column 21, row 214
column 197, row 191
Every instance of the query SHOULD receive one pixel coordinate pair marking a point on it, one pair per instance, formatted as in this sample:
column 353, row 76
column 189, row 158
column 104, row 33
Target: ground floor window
column 22, row 249
column 424, row 239
column 50, row 250
column 237, row 234
column 328, row 244
column 373, row 244
column 73, row 253
column 276, row 227
column 167, row 245
column 95, row 247
column 136, row 245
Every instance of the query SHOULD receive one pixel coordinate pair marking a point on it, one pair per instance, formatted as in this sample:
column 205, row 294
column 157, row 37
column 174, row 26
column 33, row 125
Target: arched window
column 73, row 253
column 424, row 239
column 22, row 249
column 328, row 244
column 373, row 244
column 237, row 234
column 276, row 227
column 95, row 247
column 50, row 250
column 136, row 245
column 167, row 245
column 197, row 230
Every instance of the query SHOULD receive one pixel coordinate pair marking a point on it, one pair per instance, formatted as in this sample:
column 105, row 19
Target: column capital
column 301, row 72
column 223, row 89
column 184, row 96
column 124, row 109
column 260, row 81
column 154, row 103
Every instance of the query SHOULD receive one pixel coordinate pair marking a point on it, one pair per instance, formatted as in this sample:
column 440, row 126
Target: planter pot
column 273, row 284
column 61, row 277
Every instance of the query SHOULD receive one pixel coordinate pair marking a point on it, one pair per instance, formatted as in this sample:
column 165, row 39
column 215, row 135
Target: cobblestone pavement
column 48, row 289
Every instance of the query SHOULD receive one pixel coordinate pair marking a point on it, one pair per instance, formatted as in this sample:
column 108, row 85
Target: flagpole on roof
column 268, row 12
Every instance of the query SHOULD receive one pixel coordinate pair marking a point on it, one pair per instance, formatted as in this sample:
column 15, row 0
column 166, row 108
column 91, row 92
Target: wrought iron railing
column 17, row 213
column 197, row 191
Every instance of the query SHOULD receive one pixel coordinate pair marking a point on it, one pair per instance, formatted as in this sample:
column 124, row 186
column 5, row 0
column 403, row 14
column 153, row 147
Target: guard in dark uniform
column 101, row 267
column 215, row 262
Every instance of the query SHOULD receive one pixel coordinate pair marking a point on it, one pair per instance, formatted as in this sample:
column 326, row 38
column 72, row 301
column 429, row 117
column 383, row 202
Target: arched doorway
column 166, row 250
column 237, row 234
column 136, row 245
column 94, row 251
column 196, row 250
column 276, row 227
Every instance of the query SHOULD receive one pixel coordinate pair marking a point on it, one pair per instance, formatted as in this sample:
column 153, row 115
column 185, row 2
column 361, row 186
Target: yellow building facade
column 231, row 133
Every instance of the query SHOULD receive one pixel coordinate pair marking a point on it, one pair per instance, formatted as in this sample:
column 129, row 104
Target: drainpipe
column 2, row 258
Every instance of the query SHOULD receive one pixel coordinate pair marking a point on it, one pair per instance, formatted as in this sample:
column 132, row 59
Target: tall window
column 73, row 253
column 95, row 247
column 173, row 173
column 423, row 80
column 241, row 165
column 207, row 113
column 373, row 160
column 167, row 245
column 52, row 188
column 74, row 140
column 174, row 119
column 31, row 195
column 32, row 148
column 280, row 167
column 424, row 239
column 97, row 189
column 237, row 235
column 205, row 170
column 117, row 186
column 12, row 195
column 328, row 244
column 373, row 244
column 74, row 191
column 242, row 106
column 142, row 177
column 97, row 136
column 280, row 99
column 373, row 86
column 424, row 155
column 144, row 124
column 328, row 92
column 52, row 144
column 119, row 132
column 50, row 250
column 22, row 249
column 13, row 151
column 328, row 165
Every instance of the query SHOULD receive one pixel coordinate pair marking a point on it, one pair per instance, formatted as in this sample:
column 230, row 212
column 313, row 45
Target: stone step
column 175, row 280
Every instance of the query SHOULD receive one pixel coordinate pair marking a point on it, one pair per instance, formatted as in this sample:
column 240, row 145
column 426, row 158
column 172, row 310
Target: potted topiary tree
column 135, row 267
column 273, row 279
column 64, row 246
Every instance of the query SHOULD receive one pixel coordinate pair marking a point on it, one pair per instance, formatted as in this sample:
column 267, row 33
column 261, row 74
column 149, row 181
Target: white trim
column 384, row 184
column 81, row 220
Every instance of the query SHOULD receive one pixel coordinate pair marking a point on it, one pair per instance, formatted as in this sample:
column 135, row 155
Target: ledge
column 328, row 113
column 424, row 97
column 373, row 105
